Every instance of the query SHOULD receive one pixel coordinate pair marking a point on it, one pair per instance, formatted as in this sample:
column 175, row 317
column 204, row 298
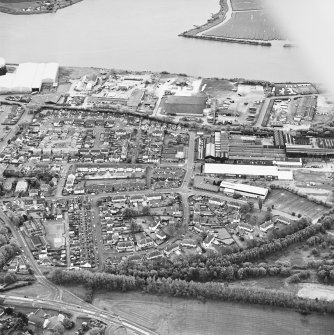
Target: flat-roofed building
column 243, row 189
column 244, row 171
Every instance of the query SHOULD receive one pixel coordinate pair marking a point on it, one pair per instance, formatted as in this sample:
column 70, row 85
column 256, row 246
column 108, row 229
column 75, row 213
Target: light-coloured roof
column 244, row 188
column 28, row 76
column 250, row 170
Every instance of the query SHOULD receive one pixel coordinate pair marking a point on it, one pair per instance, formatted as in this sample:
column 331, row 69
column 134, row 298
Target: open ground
column 182, row 316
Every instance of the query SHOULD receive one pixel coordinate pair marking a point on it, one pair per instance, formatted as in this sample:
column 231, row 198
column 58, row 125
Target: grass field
column 35, row 290
column 181, row 316
column 247, row 25
column 247, row 4
column 288, row 202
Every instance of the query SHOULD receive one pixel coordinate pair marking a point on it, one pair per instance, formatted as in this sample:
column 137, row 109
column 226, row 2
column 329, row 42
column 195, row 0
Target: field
column 55, row 233
column 182, row 316
column 314, row 291
column 249, row 25
column 35, row 290
column 247, row 4
column 288, row 202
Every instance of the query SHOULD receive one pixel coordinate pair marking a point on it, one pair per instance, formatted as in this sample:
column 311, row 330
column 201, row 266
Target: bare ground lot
column 250, row 25
column 182, row 316
column 288, row 202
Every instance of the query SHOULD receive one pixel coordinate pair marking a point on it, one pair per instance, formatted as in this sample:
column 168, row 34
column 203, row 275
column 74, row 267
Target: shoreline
column 18, row 11
column 227, row 39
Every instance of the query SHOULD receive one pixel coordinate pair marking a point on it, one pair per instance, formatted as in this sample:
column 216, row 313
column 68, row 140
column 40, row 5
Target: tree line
column 182, row 288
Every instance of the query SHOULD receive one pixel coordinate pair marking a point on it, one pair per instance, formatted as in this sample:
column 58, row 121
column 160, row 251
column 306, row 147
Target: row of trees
column 182, row 288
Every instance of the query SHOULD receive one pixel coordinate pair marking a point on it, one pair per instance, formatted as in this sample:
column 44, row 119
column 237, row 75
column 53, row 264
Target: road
column 110, row 319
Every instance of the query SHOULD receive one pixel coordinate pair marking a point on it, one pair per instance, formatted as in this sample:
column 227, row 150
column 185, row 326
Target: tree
column 59, row 328
column 95, row 331
column 3, row 240
column 260, row 203
column 10, row 278
column 146, row 210
column 68, row 324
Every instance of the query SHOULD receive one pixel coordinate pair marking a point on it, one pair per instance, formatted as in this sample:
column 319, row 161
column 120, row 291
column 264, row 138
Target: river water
column 142, row 35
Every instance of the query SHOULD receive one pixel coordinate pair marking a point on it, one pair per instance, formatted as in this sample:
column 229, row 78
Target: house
column 153, row 197
column 154, row 225
column 160, row 234
column 199, row 228
column 154, row 255
column 171, row 248
column 144, row 243
column 45, row 188
column 208, row 241
column 135, row 258
column 188, row 243
column 136, row 198
column 246, row 227
column 266, row 226
column 282, row 219
column 119, row 198
column 33, row 192
column 125, row 246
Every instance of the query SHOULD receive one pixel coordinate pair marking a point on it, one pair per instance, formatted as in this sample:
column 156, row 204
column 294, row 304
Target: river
column 142, row 35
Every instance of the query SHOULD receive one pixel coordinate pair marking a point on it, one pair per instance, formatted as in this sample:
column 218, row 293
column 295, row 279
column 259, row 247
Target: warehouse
column 244, row 190
column 29, row 77
column 182, row 105
column 247, row 171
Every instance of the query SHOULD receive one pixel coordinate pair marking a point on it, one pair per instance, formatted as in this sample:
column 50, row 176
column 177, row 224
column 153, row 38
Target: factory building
column 247, row 171
column 29, row 77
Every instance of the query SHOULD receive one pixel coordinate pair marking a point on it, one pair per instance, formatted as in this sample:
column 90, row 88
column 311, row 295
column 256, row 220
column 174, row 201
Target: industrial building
column 185, row 105
column 222, row 145
column 309, row 147
column 29, row 77
column 247, row 171
column 244, row 190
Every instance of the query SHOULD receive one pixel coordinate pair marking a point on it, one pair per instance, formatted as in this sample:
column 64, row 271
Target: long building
column 245, row 190
column 247, row 171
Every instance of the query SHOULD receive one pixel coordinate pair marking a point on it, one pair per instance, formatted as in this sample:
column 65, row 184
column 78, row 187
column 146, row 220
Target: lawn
column 247, row 4
column 255, row 25
column 35, row 290
column 288, row 202
column 178, row 316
